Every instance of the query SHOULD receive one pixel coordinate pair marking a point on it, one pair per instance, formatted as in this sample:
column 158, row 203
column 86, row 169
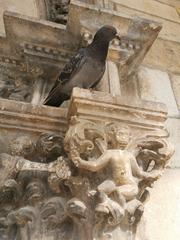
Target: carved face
column 76, row 209
column 118, row 135
column 52, row 212
column 50, row 145
column 35, row 191
column 122, row 136
column 22, row 146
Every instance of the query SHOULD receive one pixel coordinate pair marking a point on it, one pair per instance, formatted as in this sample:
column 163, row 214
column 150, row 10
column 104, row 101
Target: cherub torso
column 121, row 167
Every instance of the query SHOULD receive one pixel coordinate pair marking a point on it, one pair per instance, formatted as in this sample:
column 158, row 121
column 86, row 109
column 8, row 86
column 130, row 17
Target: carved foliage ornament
column 92, row 188
column 58, row 10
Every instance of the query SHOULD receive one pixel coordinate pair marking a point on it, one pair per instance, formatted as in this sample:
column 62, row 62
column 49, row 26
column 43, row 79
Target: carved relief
column 58, row 10
column 119, row 196
column 92, row 186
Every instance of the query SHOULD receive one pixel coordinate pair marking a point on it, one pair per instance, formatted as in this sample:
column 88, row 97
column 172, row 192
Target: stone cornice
column 92, row 105
column 99, row 106
column 33, row 118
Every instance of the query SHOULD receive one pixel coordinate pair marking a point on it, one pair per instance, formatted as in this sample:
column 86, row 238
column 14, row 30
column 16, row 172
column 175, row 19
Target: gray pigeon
column 85, row 69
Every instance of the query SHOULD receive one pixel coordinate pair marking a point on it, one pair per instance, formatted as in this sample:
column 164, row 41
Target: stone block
column 154, row 85
column 104, row 107
column 174, row 3
column 161, row 216
column 164, row 55
column 130, row 88
column 173, row 126
column 170, row 29
column 27, row 117
column 26, row 7
column 114, row 80
column 103, row 85
column 175, row 81
column 151, row 7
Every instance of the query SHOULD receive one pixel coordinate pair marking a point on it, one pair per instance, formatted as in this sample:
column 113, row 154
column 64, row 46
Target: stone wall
column 27, row 7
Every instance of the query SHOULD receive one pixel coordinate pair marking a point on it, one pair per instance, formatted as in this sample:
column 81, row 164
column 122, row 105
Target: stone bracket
column 103, row 107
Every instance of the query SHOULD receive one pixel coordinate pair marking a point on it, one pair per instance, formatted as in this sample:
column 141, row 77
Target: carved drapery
column 91, row 183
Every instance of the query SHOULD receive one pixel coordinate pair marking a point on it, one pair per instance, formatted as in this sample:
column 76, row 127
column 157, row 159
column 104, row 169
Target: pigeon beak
column 117, row 37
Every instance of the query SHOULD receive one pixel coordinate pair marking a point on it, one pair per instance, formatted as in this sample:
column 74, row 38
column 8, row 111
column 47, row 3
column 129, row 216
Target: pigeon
column 85, row 69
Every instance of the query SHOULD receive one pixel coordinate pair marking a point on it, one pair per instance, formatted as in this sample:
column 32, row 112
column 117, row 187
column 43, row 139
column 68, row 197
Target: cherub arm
column 93, row 166
column 138, row 172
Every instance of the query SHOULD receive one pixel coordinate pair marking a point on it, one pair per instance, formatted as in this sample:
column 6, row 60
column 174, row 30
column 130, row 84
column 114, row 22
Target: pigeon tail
column 56, row 101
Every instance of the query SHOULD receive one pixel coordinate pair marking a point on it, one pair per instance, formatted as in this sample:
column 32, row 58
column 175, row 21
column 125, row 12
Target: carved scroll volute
column 82, row 138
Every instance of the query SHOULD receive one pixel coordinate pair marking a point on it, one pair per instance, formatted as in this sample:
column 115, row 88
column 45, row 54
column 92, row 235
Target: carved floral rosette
column 90, row 184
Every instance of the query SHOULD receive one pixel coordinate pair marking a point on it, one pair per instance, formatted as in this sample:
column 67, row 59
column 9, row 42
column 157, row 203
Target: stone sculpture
column 94, row 189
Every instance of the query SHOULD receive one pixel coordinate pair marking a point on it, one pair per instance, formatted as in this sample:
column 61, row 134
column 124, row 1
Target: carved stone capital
column 90, row 179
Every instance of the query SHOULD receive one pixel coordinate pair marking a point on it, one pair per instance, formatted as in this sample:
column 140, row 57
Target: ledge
column 33, row 118
column 92, row 105
column 99, row 106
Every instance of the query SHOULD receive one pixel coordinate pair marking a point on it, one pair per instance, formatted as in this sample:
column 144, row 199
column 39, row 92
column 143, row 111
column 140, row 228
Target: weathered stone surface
column 99, row 106
column 175, row 81
column 151, row 7
column 31, row 118
column 31, row 62
column 114, row 80
column 155, row 85
column 52, row 186
column 26, row 7
column 164, row 55
column 173, row 126
column 130, row 88
column 103, row 85
column 178, row 10
column 161, row 216
column 170, row 28
column 174, row 3
column 57, row 11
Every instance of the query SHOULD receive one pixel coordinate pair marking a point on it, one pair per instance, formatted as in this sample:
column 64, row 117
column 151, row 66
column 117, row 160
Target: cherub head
column 118, row 135
column 22, row 146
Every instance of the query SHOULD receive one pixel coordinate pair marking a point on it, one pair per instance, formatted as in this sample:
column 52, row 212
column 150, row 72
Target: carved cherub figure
column 125, row 169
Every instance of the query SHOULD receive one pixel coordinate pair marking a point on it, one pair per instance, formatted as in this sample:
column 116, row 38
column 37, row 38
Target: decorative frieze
column 61, row 55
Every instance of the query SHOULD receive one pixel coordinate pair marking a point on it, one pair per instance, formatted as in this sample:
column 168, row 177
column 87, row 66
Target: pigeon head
column 106, row 34
column 98, row 49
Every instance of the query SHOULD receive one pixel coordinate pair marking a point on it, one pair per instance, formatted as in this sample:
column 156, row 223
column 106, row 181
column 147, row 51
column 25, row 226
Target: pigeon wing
column 71, row 68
